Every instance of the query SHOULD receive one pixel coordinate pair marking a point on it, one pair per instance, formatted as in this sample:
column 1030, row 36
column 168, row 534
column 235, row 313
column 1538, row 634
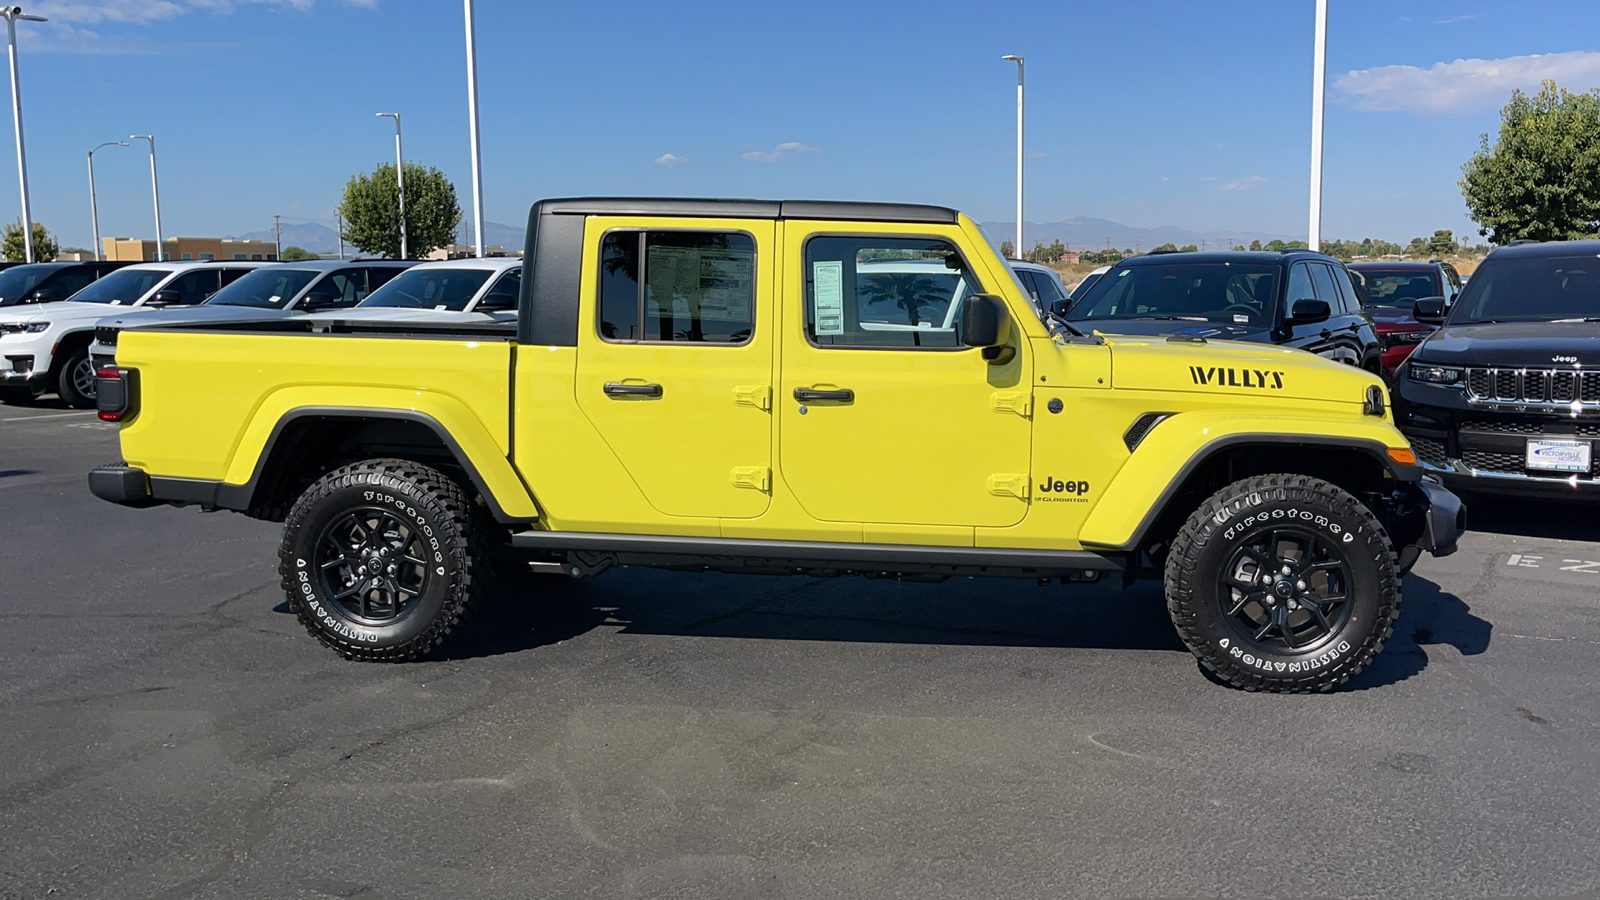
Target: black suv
column 44, row 282
column 1294, row 299
column 1505, row 396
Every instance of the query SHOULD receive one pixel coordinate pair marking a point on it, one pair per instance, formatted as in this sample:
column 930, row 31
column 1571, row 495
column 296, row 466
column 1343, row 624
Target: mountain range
column 1085, row 233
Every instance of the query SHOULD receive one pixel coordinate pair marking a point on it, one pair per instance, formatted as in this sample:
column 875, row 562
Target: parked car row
column 1496, row 381
column 60, row 321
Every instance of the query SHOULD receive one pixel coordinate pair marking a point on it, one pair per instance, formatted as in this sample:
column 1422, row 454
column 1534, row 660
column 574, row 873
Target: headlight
column 1434, row 374
column 23, row 327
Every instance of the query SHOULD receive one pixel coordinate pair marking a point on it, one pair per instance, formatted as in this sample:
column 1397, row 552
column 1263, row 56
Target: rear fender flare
column 474, row 448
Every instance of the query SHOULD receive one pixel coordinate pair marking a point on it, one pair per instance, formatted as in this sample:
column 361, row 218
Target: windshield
column 1399, row 288
column 1201, row 292
column 267, row 288
column 1538, row 289
column 1083, row 287
column 429, row 288
column 17, row 281
column 124, row 287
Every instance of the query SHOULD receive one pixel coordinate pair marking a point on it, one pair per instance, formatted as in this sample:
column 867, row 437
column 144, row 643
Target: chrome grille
column 1535, row 387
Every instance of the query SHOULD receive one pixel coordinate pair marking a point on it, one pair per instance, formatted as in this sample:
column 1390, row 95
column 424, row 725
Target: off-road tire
column 434, row 510
column 1218, row 535
column 68, row 375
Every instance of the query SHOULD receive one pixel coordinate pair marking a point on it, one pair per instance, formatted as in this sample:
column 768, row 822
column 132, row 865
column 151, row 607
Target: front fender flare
column 1181, row 444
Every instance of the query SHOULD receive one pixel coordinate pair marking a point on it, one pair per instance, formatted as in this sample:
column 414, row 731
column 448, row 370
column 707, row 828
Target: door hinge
column 1008, row 485
column 756, row 478
column 1019, row 402
column 757, row 395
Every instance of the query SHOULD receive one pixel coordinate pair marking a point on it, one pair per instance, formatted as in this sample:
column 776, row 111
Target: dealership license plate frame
column 1585, row 453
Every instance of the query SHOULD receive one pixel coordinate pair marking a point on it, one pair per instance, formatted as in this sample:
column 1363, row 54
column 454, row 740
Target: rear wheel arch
column 309, row 442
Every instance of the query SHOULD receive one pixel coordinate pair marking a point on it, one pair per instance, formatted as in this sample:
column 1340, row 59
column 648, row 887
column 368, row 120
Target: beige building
column 467, row 251
column 136, row 250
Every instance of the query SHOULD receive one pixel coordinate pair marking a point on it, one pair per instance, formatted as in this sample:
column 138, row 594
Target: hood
column 61, row 311
column 183, row 315
column 1232, row 367
column 421, row 316
column 1395, row 318
column 1217, row 331
column 1513, row 344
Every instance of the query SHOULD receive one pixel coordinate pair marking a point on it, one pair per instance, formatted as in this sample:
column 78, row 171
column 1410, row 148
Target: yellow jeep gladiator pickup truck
column 786, row 387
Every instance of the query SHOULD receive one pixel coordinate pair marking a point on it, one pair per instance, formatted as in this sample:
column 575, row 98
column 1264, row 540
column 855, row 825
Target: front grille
column 1429, row 450
column 1552, row 426
column 1502, row 426
column 1543, row 387
column 1510, row 463
column 107, row 336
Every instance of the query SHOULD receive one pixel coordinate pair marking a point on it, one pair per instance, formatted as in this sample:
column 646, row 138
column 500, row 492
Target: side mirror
column 44, row 295
column 316, row 302
column 165, row 298
column 1060, row 307
column 1429, row 310
column 985, row 323
column 1308, row 312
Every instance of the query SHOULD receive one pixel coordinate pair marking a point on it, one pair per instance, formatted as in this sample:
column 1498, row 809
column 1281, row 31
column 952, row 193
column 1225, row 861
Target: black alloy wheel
column 372, row 565
column 1288, row 588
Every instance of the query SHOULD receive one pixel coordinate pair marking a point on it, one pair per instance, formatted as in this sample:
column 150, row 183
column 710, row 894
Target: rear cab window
column 666, row 286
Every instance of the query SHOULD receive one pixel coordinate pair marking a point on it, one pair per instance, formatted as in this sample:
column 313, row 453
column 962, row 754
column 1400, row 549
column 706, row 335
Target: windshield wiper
column 1062, row 323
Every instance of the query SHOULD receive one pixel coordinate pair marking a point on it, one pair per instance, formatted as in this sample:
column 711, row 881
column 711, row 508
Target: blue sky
column 1195, row 114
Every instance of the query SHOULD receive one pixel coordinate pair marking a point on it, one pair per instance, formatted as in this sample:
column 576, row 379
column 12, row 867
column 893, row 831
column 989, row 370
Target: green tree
column 296, row 254
column 1188, row 248
column 1008, row 249
column 1238, row 248
column 1417, row 247
column 370, row 209
column 44, row 246
column 1276, row 246
column 1168, row 247
column 1541, row 179
column 1255, row 245
column 1443, row 243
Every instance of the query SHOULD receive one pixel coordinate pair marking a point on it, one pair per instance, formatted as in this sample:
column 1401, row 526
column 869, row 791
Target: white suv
column 47, row 346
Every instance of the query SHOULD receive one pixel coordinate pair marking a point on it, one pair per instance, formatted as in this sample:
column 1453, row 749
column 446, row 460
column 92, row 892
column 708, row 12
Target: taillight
column 114, row 394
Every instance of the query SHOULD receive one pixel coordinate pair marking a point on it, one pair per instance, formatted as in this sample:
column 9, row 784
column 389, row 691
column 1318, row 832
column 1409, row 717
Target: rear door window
column 70, row 281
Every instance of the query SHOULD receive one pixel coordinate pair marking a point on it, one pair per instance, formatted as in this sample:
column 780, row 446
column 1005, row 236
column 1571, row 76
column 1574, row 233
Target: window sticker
column 828, row 289
column 705, row 283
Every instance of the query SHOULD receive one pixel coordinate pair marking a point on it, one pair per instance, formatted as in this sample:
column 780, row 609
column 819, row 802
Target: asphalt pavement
column 168, row 730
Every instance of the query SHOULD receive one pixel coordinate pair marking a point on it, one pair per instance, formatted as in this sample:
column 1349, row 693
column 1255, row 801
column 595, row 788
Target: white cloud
column 671, row 159
column 1466, row 85
column 779, row 152
column 142, row 12
column 1247, row 183
column 1452, row 20
column 1211, row 178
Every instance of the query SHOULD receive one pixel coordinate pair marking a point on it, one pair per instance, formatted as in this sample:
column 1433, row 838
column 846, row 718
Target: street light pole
column 94, row 210
column 472, row 118
column 1318, row 79
column 155, row 186
column 400, row 179
column 1021, row 251
column 12, row 14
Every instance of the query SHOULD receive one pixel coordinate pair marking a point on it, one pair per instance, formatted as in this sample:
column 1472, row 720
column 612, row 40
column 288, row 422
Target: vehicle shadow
column 533, row 611
column 1542, row 518
column 1428, row 616
column 537, row 610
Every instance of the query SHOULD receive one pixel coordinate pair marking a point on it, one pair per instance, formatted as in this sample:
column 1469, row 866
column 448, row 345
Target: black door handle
column 808, row 395
column 613, row 389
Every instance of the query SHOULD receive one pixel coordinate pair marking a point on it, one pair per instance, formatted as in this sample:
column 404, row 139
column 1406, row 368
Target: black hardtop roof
column 1258, row 257
column 1547, row 249
column 747, row 209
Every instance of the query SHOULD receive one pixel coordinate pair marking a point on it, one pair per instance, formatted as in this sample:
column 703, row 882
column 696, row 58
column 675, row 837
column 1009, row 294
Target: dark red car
column 1389, row 291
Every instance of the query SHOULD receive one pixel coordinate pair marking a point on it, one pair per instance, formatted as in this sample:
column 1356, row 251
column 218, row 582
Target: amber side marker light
column 1402, row 456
